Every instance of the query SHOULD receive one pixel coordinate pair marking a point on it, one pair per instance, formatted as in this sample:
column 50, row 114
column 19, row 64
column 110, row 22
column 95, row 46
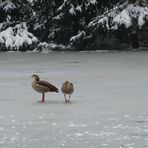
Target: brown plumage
column 67, row 89
column 42, row 86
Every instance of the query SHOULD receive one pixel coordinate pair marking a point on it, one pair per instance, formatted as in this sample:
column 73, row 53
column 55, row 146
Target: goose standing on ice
column 42, row 86
column 67, row 89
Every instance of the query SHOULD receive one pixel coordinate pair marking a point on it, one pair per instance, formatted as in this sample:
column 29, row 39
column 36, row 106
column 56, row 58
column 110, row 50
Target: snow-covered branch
column 16, row 37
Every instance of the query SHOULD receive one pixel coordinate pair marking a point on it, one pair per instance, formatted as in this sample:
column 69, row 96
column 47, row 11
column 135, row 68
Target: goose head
column 36, row 77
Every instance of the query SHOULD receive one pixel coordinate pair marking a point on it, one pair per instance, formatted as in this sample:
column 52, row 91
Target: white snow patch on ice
column 103, row 113
column 79, row 134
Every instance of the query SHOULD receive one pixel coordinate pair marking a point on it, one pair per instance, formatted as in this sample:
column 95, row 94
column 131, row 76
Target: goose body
column 67, row 89
column 42, row 86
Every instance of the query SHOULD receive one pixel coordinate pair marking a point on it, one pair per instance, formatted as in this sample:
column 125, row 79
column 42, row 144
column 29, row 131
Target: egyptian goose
column 67, row 89
column 42, row 86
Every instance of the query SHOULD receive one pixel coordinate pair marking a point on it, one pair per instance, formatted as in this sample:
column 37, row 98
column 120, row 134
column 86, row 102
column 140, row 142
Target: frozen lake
column 108, row 108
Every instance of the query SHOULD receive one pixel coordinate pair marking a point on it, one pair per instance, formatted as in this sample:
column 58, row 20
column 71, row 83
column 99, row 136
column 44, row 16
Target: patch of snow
column 93, row 2
column 78, row 8
column 62, row 6
column 118, row 126
column 32, row 1
column 99, row 104
column 7, row 6
column 54, row 124
column 122, row 18
column 15, row 37
column 103, row 21
column 123, row 14
column 143, row 17
column 72, row 125
column 44, row 47
column 58, row 17
column 78, row 36
column 79, row 134
column 72, row 10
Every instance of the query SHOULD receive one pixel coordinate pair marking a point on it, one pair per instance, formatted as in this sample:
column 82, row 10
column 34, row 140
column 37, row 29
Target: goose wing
column 49, row 85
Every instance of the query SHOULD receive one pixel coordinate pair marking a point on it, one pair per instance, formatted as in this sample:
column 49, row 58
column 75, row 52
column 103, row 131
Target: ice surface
column 108, row 108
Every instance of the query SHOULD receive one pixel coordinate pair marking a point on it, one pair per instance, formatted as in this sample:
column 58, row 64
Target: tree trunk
column 135, row 39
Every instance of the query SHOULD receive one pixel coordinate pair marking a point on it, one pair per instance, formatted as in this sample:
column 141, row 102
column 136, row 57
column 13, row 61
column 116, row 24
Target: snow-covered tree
column 8, row 11
column 14, row 34
column 41, row 19
column 17, row 38
column 126, row 20
column 78, row 23
column 68, row 21
column 93, row 8
column 73, row 16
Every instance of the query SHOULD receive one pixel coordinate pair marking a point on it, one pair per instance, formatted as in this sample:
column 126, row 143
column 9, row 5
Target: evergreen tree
column 125, row 21
column 8, row 11
column 14, row 33
column 67, row 21
column 9, row 14
column 74, row 22
column 73, row 16
column 40, row 22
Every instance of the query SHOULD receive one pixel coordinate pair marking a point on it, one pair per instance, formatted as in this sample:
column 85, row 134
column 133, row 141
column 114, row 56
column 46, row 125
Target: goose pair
column 44, row 87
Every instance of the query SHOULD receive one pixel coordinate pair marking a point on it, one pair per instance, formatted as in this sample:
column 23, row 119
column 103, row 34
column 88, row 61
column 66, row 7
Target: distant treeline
column 74, row 24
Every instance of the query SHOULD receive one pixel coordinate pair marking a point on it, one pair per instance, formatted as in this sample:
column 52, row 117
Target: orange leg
column 65, row 98
column 69, row 98
column 43, row 98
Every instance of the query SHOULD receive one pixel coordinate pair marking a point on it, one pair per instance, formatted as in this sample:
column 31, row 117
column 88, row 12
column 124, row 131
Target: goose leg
column 43, row 98
column 69, row 98
column 65, row 98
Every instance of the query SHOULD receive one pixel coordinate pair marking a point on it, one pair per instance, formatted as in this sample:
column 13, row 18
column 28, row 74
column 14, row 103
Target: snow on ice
column 108, row 108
